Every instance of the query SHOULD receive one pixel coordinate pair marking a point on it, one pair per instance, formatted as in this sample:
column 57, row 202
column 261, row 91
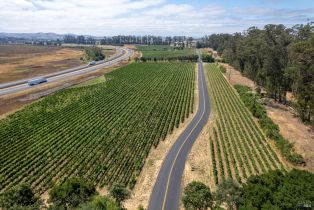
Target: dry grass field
column 25, row 61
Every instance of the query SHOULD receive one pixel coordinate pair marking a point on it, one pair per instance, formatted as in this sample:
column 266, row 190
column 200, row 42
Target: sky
column 149, row 17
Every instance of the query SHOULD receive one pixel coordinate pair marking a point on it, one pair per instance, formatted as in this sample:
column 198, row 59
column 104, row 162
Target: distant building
column 183, row 44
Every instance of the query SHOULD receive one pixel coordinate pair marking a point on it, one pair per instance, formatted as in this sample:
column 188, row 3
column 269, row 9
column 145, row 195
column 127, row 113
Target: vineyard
column 167, row 53
column 238, row 146
column 154, row 47
column 101, row 132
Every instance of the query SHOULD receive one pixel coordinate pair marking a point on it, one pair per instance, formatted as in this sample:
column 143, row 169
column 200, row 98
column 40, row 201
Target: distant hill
column 32, row 36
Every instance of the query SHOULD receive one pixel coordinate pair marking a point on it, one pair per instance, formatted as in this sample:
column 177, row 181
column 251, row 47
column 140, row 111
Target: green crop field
column 154, row 47
column 165, row 52
column 101, row 132
column 238, row 146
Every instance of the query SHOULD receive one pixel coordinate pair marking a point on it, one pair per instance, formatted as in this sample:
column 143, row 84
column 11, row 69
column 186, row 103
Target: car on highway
column 37, row 81
column 92, row 63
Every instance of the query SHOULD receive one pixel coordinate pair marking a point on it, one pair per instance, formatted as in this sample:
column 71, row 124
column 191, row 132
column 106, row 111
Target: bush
column 271, row 130
column 197, row 196
column 71, row 193
column 223, row 69
column 18, row 198
column 208, row 58
column 228, row 192
column 119, row 192
column 94, row 54
column 100, row 203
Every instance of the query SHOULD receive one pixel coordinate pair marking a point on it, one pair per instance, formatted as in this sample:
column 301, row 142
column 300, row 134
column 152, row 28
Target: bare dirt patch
column 291, row 128
column 15, row 101
column 26, row 61
column 148, row 176
column 235, row 77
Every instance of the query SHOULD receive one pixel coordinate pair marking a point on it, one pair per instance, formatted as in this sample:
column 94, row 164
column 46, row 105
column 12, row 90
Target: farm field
column 165, row 52
column 238, row 146
column 154, row 47
column 101, row 132
column 26, row 61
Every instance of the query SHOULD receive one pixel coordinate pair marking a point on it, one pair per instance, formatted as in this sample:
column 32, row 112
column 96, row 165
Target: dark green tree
column 71, row 193
column 197, row 196
column 302, row 55
column 119, row 192
column 18, row 198
column 278, row 190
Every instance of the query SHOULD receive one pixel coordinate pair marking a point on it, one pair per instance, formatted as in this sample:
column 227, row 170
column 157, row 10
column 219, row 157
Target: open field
column 101, row 132
column 238, row 146
column 26, row 61
column 164, row 52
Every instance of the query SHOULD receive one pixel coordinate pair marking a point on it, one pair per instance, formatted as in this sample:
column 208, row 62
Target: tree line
column 121, row 40
column 278, row 58
column 74, row 193
column 274, row 190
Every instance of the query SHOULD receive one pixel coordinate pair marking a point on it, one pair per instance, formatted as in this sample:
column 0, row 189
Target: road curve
column 17, row 86
column 166, row 192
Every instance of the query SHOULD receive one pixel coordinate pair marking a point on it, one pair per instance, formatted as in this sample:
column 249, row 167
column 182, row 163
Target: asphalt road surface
column 17, row 86
column 166, row 192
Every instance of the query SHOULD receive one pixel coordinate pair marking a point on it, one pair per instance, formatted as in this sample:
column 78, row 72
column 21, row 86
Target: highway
column 166, row 192
column 20, row 85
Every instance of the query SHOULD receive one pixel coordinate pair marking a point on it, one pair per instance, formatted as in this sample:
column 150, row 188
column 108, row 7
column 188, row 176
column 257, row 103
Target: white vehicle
column 36, row 81
column 92, row 63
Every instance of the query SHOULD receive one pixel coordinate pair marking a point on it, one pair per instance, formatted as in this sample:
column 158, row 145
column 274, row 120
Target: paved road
column 20, row 85
column 166, row 192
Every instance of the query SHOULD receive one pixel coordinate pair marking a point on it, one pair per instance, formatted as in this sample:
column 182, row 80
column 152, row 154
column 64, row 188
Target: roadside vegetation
column 167, row 53
column 238, row 147
column 102, row 132
column 94, row 54
column 273, row 190
column 277, row 58
column 251, row 100
column 207, row 56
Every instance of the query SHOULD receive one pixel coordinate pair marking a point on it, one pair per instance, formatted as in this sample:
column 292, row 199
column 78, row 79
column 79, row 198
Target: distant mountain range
column 32, row 36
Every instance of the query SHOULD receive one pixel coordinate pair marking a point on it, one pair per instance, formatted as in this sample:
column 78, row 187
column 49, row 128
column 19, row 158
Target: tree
column 302, row 55
column 197, row 196
column 228, row 192
column 119, row 192
column 20, row 197
column 278, row 190
column 71, row 193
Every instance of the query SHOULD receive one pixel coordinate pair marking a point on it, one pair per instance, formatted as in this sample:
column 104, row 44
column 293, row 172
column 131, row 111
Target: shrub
column 208, row 58
column 119, row 192
column 94, row 53
column 228, row 192
column 100, row 203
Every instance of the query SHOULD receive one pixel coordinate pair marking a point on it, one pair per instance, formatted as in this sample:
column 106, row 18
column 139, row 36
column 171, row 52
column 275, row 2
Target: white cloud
column 158, row 17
